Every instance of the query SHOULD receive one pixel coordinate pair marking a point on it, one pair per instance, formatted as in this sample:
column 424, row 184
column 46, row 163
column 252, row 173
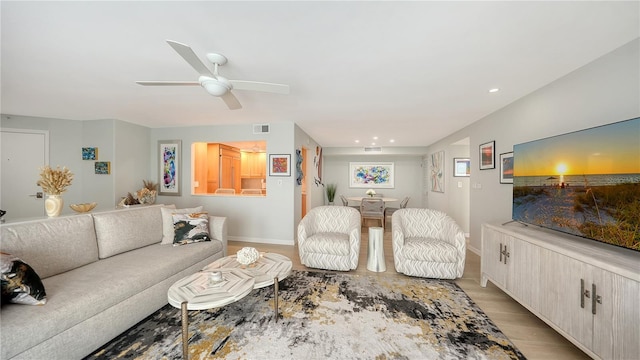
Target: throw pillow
column 190, row 228
column 167, row 221
column 20, row 283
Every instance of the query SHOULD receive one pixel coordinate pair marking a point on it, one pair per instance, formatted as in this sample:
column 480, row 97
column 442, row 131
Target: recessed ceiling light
column 375, row 138
column 373, row 143
column 494, row 90
column 357, row 141
column 391, row 141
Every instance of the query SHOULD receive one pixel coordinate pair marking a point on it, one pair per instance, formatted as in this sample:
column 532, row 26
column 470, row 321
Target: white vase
column 53, row 205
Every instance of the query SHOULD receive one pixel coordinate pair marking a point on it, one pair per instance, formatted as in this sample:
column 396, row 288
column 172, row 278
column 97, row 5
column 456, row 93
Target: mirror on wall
column 237, row 168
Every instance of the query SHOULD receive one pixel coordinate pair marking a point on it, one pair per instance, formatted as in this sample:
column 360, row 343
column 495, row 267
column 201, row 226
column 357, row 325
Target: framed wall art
column 506, row 168
column 103, row 167
column 169, row 153
column 279, row 165
column 371, row 175
column 437, row 171
column 461, row 167
column 488, row 155
column 89, row 153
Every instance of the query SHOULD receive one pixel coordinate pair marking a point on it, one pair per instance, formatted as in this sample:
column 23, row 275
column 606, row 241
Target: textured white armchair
column 427, row 243
column 329, row 238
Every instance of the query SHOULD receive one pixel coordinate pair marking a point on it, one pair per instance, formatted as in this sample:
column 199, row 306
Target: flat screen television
column 585, row 183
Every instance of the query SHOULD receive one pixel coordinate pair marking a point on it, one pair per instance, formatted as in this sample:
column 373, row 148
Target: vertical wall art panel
column 169, row 153
column 437, row 171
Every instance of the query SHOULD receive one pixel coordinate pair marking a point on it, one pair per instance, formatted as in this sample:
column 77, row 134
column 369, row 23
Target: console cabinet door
column 524, row 268
column 616, row 329
column 492, row 265
column 561, row 280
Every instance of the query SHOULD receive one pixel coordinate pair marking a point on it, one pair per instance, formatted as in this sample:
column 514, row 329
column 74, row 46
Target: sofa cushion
column 332, row 243
column 20, row 283
column 190, row 228
column 167, row 220
column 127, row 229
column 79, row 294
column 428, row 249
column 52, row 246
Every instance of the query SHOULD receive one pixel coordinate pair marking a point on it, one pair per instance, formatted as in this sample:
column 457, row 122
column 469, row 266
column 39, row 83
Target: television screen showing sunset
column 585, row 183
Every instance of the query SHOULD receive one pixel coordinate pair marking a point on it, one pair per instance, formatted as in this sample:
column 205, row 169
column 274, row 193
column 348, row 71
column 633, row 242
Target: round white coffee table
column 198, row 292
column 265, row 270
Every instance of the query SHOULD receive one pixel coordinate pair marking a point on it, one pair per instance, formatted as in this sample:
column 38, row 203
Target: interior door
column 23, row 153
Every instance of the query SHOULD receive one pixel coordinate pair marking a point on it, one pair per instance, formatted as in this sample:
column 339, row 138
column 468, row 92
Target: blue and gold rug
column 326, row 316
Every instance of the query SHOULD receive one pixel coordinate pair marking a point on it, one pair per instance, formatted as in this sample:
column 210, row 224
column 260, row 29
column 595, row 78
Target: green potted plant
column 331, row 192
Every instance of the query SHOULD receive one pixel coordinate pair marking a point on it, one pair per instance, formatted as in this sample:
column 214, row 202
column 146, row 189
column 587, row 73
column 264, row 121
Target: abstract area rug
column 326, row 316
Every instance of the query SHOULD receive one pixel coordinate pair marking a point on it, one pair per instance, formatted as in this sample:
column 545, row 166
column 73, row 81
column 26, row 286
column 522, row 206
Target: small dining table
column 359, row 199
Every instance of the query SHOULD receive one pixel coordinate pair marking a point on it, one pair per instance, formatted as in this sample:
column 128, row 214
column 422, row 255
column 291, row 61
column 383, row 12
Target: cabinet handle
column 595, row 299
column 504, row 254
column 583, row 293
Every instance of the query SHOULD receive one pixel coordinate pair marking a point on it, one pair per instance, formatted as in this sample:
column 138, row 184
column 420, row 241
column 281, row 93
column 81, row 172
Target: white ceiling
column 410, row 71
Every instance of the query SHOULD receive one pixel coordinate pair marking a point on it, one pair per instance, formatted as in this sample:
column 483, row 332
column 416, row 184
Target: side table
column 375, row 253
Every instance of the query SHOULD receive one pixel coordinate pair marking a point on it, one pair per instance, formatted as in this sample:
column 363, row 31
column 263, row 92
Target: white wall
column 99, row 187
column 131, row 156
column 604, row 91
column 408, row 178
column 65, row 143
column 267, row 219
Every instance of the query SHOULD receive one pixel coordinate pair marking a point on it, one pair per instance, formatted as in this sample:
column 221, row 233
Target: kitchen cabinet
column 253, row 164
column 223, row 170
column 585, row 290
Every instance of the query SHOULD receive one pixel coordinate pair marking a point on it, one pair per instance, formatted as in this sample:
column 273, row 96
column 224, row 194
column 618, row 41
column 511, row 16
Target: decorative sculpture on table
column 248, row 255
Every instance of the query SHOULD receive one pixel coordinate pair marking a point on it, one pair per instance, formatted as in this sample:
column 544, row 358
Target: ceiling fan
column 212, row 82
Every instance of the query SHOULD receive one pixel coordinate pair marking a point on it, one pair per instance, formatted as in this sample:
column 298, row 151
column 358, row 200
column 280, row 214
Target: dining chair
column 345, row 202
column 388, row 212
column 225, row 191
column 372, row 208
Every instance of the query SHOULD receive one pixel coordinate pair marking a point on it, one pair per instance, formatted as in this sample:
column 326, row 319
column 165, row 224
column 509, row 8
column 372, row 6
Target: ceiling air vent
column 260, row 128
column 372, row 148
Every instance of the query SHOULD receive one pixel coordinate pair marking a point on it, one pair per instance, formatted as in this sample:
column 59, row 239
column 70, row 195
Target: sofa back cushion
column 52, row 246
column 127, row 229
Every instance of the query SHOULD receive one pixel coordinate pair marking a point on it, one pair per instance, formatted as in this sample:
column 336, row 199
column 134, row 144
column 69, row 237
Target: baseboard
column 261, row 240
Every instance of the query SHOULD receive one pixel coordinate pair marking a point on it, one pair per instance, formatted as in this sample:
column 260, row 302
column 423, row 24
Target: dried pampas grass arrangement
column 55, row 181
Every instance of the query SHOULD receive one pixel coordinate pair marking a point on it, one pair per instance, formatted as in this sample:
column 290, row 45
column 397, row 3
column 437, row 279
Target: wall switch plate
column 459, row 184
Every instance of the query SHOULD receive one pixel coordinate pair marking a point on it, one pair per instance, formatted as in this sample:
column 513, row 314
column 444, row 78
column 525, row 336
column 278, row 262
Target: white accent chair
column 329, row 238
column 427, row 243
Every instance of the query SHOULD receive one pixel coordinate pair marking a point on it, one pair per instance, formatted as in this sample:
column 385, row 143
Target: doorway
column 23, row 153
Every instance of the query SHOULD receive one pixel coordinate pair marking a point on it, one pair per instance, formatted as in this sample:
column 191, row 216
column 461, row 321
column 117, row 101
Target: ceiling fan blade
column 189, row 56
column 167, row 83
column 231, row 101
column 260, row 86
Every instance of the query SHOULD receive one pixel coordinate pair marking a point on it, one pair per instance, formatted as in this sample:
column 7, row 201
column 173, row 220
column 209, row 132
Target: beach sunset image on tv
column 585, row 183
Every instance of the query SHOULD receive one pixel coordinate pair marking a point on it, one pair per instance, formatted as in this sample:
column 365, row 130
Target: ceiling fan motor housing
column 215, row 86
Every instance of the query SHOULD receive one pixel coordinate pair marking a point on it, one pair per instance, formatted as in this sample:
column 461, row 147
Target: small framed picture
column 89, row 153
column 103, row 167
column 461, row 167
column 506, row 168
column 488, row 155
column 279, row 165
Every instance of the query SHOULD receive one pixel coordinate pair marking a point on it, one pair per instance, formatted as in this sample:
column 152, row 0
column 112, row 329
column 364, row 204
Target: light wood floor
column 531, row 335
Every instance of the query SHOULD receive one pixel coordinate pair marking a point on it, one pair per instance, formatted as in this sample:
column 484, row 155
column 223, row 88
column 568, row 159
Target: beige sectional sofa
column 102, row 273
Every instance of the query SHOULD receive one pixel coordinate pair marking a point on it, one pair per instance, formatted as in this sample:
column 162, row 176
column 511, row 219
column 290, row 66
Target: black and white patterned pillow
column 190, row 228
column 20, row 283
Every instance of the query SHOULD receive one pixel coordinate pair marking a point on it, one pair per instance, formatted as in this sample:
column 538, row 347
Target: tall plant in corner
column 331, row 192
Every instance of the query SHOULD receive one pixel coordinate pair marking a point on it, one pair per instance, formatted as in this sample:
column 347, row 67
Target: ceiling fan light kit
column 215, row 87
column 212, row 82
